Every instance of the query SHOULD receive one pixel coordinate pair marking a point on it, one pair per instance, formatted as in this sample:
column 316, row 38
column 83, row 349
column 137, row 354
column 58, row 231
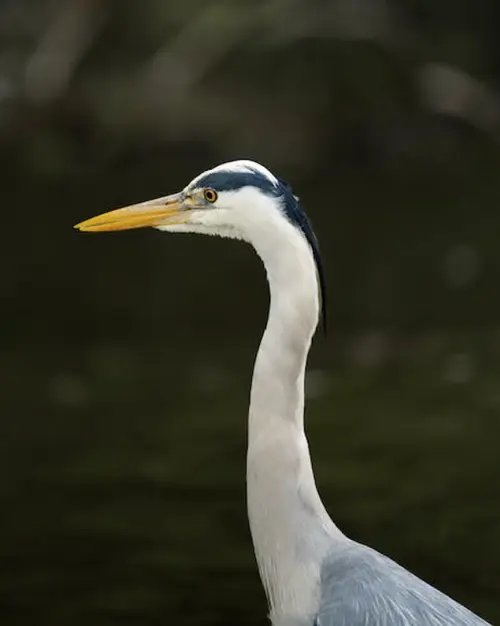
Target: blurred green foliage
column 126, row 360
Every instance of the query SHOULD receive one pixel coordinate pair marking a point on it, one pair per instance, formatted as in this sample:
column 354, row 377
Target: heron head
column 231, row 200
column 241, row 199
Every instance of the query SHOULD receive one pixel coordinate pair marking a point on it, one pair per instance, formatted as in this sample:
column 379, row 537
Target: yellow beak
column 167, row 210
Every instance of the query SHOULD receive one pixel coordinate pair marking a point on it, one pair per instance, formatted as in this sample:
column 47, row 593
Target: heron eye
column 210, row 195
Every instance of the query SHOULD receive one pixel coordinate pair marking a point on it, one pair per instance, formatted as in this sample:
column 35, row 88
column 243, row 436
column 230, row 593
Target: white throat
column 290, row 527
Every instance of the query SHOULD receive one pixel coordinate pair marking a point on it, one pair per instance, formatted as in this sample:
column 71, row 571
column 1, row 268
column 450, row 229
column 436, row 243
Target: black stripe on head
column 231, row 180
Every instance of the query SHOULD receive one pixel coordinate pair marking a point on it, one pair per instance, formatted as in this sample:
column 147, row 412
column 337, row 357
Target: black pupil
column 210, row 195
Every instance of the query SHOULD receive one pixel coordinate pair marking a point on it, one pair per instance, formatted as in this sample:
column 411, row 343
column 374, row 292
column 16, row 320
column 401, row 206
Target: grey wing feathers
column 361, row 587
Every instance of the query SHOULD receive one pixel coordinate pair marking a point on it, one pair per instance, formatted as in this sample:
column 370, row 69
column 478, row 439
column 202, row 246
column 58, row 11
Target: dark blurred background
column 126, row 359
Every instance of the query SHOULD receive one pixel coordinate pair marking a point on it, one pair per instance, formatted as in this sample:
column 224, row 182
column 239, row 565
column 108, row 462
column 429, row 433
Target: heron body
column 312, row 573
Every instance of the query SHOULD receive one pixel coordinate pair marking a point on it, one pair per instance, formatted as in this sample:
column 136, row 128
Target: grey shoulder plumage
column 361, row 587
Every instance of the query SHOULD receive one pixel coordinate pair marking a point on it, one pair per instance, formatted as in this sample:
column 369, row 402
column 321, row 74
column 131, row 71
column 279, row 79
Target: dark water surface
column 122, row 475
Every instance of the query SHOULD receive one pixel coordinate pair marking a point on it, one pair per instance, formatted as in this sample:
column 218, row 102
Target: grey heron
column 313, row 574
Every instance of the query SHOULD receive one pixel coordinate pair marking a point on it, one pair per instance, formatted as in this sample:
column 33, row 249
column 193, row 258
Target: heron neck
column 290, row 527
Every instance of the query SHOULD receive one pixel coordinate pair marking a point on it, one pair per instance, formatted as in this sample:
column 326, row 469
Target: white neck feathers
column 290, row 528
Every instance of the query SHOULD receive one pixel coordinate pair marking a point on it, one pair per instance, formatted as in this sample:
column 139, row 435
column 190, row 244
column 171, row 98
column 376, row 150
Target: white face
column 242, row 213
